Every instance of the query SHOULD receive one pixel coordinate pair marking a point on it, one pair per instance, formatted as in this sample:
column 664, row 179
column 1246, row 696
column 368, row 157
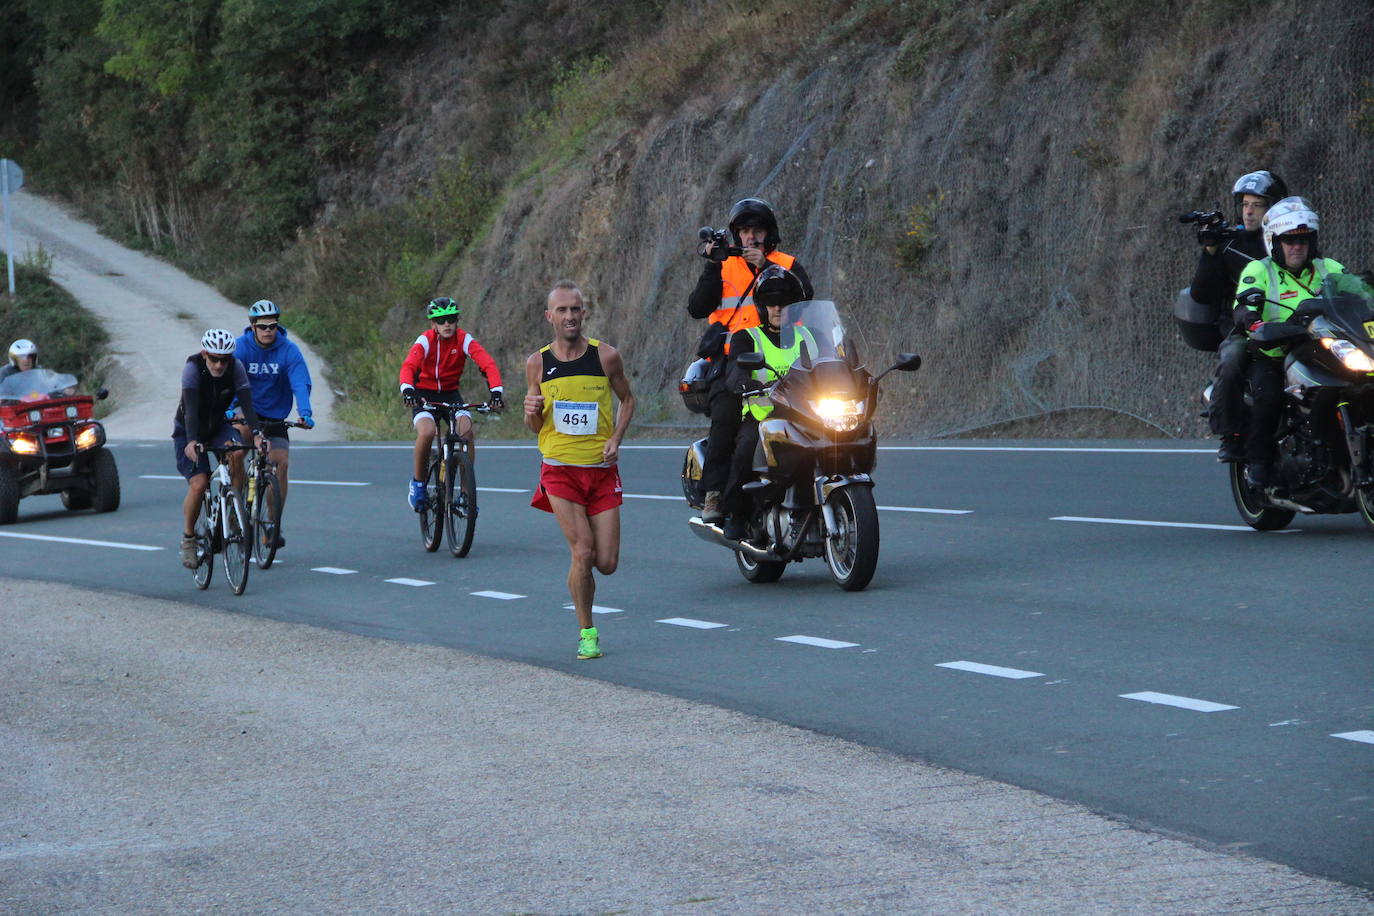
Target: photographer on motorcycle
column 1223, row 258
column 777, row 289
column 724, row 294
column 1269, row 290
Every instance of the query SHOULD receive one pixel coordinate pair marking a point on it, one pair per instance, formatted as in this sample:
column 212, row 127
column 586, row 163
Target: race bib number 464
column 575, row 418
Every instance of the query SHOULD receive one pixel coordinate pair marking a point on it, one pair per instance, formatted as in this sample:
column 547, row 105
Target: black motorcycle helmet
column 776, row 285
column 755, row 212
column 1262, row 184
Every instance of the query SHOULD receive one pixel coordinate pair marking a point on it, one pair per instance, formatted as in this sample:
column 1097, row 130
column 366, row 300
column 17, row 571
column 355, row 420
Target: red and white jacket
column 435, row 364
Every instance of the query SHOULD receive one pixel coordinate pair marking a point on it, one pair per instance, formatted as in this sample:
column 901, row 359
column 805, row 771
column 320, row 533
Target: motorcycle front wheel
column 1365, row 498
column 851, row 548
column 1250, row 504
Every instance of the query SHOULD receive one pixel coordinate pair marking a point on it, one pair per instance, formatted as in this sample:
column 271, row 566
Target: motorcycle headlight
column 840, row 414
column 87, row 438
column 1351, row 356
column 24, row 444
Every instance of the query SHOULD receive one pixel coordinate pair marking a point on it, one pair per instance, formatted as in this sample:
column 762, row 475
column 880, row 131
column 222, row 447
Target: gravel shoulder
column 155, row 315
column 159, row 757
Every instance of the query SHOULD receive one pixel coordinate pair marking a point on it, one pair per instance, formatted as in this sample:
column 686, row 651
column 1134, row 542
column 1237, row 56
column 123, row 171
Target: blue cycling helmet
column 263, row 308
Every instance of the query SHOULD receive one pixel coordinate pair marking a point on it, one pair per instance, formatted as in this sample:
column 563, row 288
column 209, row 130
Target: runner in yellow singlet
column 568, row 403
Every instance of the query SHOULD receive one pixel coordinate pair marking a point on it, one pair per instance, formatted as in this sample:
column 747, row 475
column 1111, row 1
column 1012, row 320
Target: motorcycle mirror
column 102, row 394
column 751, row 361
column 906, row 362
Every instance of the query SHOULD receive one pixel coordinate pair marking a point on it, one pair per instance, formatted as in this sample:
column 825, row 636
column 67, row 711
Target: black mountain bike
column 264, row 498
column 222, row 527
column 450, row 485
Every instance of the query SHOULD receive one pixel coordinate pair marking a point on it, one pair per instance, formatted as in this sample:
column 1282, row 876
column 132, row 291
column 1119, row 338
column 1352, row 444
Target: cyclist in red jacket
column 431, row 372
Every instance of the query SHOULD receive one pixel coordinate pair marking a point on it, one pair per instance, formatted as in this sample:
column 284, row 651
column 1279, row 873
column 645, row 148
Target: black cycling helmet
column 755, row 212
column 442, row 307
column 776, row 286
column 1262, row 184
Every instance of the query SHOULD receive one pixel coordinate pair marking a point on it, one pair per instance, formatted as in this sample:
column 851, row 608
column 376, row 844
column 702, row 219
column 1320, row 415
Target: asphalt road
column 1192, row 676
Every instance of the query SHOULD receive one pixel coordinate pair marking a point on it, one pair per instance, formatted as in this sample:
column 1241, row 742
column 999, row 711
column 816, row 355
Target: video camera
column 720, row 238
column 1212, row 226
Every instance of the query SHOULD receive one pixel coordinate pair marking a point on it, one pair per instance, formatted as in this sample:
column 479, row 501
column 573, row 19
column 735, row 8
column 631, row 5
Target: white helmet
column 217, row 341
column 23, row 347
column 1291, row 215
column 263, row 308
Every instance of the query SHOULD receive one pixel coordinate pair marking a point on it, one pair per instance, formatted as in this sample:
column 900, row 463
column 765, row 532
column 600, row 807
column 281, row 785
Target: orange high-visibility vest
column 736, row 276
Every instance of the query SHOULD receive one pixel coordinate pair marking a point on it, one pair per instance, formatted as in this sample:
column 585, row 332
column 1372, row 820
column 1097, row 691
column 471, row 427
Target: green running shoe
column 589, row 646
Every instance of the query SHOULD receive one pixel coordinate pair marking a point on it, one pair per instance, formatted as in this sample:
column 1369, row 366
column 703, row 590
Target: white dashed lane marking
column 994, row 670
column 87, row 542
column 598, row 609
column 1365, row 737
column 818, row 641
column 694, row 624
column 415, row 582
column 499, row 596
column 333, row 570
column 1168, row 699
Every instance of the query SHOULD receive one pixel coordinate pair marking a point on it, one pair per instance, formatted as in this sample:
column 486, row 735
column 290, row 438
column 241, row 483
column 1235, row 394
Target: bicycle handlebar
column 482, row 407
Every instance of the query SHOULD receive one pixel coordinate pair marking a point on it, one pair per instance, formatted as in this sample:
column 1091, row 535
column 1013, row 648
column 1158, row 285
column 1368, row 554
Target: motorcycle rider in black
column 777, row 288
column 723, row 295
column 1219, row 268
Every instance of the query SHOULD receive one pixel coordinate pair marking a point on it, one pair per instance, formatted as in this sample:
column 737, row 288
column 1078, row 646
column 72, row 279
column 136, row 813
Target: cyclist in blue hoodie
column 277, row 373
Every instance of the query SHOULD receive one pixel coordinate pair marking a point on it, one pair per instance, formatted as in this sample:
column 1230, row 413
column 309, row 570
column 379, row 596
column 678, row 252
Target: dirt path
column 154, row 313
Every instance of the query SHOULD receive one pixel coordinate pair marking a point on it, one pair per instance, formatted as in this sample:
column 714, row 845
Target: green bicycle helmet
column 442, row 308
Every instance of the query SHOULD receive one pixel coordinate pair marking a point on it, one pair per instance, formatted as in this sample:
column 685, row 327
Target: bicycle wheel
column 266, row 519
column 431, row 510
column 205, row 550
column 237, row 550
column 461, row 514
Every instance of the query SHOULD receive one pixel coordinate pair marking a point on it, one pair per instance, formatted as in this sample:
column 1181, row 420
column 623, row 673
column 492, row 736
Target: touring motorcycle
column 813, row 495
column 1323, row 446
column 49, row 443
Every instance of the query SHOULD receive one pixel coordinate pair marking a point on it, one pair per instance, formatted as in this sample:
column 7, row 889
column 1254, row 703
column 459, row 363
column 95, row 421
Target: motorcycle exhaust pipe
column 713, row 534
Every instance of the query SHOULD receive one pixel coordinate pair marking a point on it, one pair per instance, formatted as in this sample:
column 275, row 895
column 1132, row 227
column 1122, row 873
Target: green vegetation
column 920, row 235
column 69, row 338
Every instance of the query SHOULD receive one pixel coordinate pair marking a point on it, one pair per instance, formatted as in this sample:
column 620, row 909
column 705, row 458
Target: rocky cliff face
column 1002, row 201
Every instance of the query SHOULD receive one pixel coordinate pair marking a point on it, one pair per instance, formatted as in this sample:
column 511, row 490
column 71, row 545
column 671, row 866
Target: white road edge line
column 931, row 511
column 694, row 624
column 333, row 570
column 415, row 582
column 817, row 641
column 1168, row 699
column 499, row 596
column 90, row 543
column 1365, row 737
column 598, row 609
column 994, row 670
column 294, row 481
column 1148, row 524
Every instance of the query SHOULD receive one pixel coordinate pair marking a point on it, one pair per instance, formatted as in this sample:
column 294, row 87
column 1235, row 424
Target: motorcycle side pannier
column 1197, row 322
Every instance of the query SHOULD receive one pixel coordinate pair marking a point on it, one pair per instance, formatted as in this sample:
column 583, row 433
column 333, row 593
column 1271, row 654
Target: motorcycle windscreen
column 818, row 324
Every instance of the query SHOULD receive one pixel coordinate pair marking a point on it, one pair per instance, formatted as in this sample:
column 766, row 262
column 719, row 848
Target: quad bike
column 49, row 443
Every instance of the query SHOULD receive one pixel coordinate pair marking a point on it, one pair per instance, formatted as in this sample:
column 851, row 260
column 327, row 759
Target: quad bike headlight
column 843, row 415
column 23, row 444
column 89, row 437
column 1351, row 356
